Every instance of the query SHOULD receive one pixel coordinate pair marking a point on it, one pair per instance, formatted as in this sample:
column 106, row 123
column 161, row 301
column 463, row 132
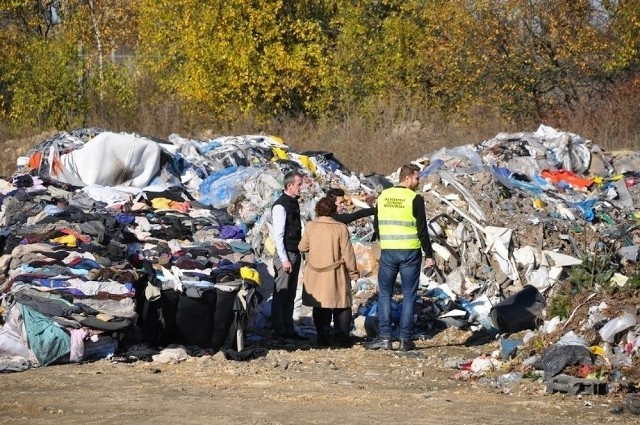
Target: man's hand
column 428, row 262
column 287, row 266
column 370, row 200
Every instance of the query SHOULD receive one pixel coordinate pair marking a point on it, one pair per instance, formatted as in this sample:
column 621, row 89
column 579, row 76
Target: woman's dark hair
column 326, row 207
column 335, row 192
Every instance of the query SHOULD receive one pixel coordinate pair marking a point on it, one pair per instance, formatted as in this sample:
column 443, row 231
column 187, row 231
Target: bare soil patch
column 296, row 384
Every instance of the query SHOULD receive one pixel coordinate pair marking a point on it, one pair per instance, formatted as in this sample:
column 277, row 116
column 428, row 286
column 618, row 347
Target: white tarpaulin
column 109, row 159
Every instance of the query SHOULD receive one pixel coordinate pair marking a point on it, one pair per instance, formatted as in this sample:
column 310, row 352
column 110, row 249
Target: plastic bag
column 225, row 189
column 555, row 358
column 617, row 325
column 366, row 257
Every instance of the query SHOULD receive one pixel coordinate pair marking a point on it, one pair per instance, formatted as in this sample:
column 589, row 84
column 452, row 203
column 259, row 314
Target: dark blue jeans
column 406, row 262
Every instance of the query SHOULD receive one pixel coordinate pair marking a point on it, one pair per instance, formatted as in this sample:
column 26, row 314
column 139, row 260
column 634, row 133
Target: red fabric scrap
column 557, row 176
column 80, row 236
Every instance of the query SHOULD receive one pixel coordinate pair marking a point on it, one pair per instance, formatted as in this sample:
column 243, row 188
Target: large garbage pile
column 527, row 225
column 109, row 239
column 521, row 209
column 112, row 239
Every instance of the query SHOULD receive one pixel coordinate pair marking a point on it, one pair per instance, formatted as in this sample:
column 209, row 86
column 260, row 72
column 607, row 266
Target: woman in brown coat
column 330, row 267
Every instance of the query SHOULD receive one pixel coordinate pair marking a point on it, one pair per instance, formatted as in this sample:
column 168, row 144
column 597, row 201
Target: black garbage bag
column 246, row 354
column 555, row 358
column 520, row 311
column 377, row 181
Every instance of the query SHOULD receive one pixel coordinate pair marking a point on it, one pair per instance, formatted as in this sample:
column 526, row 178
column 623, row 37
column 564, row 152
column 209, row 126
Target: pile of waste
column 535, row 226
column 115, row 244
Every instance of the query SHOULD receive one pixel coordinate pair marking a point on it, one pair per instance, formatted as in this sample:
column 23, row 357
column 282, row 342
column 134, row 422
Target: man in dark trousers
column 287, row 233
column 401, row 225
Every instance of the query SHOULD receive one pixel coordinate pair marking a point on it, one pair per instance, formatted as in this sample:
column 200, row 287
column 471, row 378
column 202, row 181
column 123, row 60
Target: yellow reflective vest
column 396, row 223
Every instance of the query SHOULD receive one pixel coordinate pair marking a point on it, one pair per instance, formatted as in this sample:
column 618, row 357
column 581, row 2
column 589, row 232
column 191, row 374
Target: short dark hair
column 326, row 207
column 407, row 170
column 335, row 192
column 290, row 177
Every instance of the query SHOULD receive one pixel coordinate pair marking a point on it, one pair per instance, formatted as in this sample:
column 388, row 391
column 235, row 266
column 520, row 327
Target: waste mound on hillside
column 114, row 244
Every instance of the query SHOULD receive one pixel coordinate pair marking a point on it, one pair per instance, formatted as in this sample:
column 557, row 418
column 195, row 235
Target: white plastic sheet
column 109, row 159
column 498, row 240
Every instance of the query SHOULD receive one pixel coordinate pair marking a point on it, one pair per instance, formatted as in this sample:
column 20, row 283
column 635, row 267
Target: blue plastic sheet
column 433, row 167
column 587, row 209
column 205, row 186
column 511, row 183
column 210, row 146
column 502, row 171
column 221, row 191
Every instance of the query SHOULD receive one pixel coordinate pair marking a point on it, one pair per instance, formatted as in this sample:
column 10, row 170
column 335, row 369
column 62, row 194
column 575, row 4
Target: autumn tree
column 226, row 56
column 39, row 69
column 313, row 57
column 550, row 52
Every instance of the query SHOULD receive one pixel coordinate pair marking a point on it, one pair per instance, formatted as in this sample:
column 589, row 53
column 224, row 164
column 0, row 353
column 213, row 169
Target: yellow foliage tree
column 424, row 47
column 239, row 55
column 39, row 77
column 49, row 58
column 520, row 55
column 316, row 57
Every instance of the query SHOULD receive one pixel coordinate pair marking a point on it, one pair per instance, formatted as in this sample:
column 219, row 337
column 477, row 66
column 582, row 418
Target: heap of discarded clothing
column 109, row 239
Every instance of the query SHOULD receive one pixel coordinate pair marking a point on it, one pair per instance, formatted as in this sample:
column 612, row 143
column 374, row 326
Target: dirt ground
column 295, row 384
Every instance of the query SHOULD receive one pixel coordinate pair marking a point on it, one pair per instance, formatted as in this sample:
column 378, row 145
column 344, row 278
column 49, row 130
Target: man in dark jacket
column 287, row 233
column 401, row 224
column 344, row 217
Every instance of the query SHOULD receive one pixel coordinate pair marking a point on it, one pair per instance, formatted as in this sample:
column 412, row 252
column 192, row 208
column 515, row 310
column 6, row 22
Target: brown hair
column 407, row 170
column 326, row 207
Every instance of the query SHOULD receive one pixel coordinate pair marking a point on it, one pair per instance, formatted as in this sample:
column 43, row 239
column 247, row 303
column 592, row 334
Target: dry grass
column 613, row 122
column 15, row 146
column 378, row 137
column 381, row 145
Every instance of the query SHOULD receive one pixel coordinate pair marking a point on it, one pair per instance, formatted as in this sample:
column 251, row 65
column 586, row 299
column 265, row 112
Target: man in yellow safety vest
column 401, row 224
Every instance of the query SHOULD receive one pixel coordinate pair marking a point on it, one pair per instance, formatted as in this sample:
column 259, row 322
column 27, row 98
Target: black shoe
column 378, row 344
column 407, row 345
column 323, row 340
column 342, row 341
column 295, row 336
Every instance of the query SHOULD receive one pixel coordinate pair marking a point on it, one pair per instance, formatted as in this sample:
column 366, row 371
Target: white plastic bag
column 617, row 325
